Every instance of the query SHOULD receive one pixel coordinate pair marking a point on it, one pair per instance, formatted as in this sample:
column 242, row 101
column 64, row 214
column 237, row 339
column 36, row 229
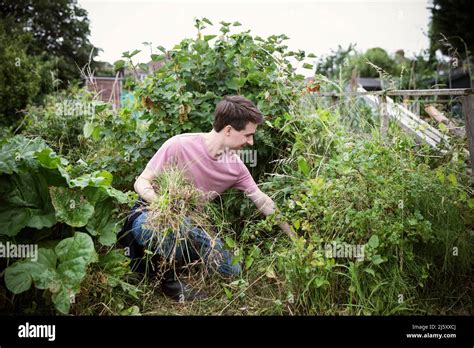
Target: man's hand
column 143, row 185
column 287, row 229
column 263, row 203
column 266, row 205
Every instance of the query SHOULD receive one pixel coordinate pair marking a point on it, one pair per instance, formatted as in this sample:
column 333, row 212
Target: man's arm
column 266, row 205
column 143, row 185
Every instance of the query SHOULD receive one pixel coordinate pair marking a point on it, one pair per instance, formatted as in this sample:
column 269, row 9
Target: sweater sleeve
column 245, row 181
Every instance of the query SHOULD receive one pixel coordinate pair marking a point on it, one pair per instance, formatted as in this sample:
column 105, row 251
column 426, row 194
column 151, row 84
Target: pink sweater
column 213, row 176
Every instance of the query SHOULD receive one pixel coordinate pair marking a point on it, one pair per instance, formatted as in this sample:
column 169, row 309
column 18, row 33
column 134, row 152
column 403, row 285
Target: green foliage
column 377, row 56
column 451, row 20
column 422, row 72
column 399, row 71
column 64, row 202
column 25, row 203
column 59, row 28
column 59, row 270
column 410, row 218
column 197, row 73
column 22, row 75
column 61, row 121
column 333, row 64
column 103, row 69
column 120, row 143
column 39, row 193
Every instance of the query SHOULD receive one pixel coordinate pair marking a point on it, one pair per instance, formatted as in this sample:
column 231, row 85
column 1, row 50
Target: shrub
column 414, row 222
column 42, row 203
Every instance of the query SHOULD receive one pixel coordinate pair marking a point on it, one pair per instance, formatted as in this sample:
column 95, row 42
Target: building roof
column 370, row 82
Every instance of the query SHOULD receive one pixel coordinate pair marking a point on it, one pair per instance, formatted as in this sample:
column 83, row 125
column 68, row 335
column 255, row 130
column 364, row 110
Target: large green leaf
column 24, row 201
column 13, row 219
column 48, row 278
column 48, row 158
column 80, row 246
column 95, row 195
column 61, row 270
column 18, row 151
column 103, row 223
column 74, row 254
column 62, row 300
column 71, row 206
column 20, row 275
column 101, row 179
column 115, row 264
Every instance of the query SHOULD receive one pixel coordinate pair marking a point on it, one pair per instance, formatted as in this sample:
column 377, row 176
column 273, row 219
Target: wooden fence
column 412, row 122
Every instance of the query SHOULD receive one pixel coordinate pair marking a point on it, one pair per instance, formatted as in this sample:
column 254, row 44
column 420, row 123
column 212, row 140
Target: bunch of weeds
column 178, row 209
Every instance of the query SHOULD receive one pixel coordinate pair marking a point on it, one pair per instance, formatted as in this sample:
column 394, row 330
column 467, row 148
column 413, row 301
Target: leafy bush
column 60, row 121
column 22, row 75
column 90, row 134
column 121, row 144
column 182, row 95
column 43, row 204
column 403, row 73
column 414, row 221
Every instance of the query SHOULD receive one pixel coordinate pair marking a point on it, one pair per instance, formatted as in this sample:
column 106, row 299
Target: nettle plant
column 181, row 96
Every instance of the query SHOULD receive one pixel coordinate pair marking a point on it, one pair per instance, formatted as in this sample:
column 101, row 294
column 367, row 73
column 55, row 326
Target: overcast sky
column 313, row 26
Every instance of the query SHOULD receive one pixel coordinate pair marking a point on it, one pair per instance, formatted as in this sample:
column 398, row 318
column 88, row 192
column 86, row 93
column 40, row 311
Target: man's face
column 237, row 140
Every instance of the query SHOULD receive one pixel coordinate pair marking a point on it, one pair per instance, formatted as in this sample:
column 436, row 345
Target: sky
column 313, row 26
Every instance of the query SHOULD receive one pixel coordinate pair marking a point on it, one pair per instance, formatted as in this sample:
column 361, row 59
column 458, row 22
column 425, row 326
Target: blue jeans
column 194, row 245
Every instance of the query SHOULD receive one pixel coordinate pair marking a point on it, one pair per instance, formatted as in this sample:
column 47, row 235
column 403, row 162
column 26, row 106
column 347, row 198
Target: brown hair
column 236, row 111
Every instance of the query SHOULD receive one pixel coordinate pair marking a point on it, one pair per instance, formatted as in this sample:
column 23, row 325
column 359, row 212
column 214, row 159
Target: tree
column 377, row 56
column 60, row 28
column 340, row 63
column 333, row 64
column 22, row 75
column 453, row 20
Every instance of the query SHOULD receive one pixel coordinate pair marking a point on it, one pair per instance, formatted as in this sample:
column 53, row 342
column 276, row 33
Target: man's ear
column 227, row 130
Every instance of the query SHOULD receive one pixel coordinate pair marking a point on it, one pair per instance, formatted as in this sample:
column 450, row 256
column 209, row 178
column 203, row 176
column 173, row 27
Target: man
column 210, row 162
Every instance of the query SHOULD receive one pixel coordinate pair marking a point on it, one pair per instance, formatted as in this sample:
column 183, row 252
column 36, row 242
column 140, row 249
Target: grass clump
column 173, row 217
column 177, row 200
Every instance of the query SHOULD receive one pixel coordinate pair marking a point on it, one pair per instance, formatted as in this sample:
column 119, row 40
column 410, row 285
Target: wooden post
column 354, row 80
column 406, row 102
column 383, row 116
column 440, row 118
column 468, row 112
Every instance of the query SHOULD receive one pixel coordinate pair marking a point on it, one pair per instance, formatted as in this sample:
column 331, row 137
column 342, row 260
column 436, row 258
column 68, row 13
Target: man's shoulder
column 180, row 139
column 187, row 137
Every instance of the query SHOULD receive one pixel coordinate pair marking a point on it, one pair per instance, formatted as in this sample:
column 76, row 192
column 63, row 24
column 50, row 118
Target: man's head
column 236, row 118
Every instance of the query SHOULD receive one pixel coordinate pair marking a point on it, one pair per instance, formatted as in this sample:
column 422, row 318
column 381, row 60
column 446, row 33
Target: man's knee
column 232, row 270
